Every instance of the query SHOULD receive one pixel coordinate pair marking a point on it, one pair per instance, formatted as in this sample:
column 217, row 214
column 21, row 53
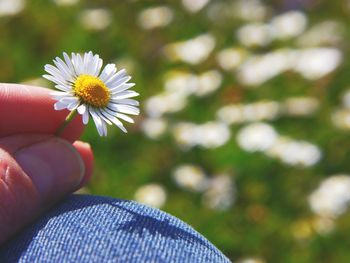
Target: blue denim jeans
column 87, row 228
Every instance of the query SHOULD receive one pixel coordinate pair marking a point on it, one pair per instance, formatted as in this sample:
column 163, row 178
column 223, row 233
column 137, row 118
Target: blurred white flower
column 66, row 2
column 346, row 99
column 231, row 114
column 289, row 24
column 11, row 7
column 154, row 127
column 315, row 63
column 229, row 59
column 312, row 63
column 194, row 5
column 208, row 135
column 250, row 10
column 295, row 153
column 262, row 110
column 257, row 111
column 250, row 260
column 192, row 51
column 186, row 134
column 332, row 197
column 181, row 82
column 263, row 137
column 155, row 17
column 267, row 110
column 220, row 194
column 255, row 34
column 208, row 82
column 324, row 33
column 95, row 19
column 213, row 134
column 341, row 119
column 190, row 177
column 166, row 102
column 260, row 68
column 185, row 84
column 152, row 195
column 301, row 106
column 257, row 137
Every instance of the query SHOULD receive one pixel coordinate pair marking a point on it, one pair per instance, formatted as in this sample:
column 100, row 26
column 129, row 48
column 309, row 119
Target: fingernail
column 54, row 166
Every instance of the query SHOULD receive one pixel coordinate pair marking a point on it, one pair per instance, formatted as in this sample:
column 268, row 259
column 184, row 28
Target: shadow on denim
column 139, row 224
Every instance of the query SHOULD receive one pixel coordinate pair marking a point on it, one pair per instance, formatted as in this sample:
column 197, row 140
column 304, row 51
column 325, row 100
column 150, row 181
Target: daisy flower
column 86, row 89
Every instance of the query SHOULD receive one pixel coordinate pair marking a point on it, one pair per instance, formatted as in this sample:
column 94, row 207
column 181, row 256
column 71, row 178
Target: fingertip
column 87, row 155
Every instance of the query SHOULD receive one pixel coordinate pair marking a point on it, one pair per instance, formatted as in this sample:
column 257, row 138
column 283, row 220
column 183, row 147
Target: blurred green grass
column 271, row 197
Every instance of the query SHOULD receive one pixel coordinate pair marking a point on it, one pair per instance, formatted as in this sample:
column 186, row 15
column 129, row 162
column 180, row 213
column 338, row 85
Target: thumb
column 35, row 171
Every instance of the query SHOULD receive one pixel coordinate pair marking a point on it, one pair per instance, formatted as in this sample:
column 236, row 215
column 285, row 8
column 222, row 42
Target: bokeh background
column 244, row 130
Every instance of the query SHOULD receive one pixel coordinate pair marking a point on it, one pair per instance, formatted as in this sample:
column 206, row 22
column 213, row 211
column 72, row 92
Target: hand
column 36, row 168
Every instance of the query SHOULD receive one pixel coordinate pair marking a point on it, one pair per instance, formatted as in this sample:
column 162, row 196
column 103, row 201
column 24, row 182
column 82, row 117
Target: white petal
column 125, row 95
column 58, row 93
column 104, row 127
column 52, row 70
column 113, row 119
column 58, row 82
column 108, row 72
column 81, row 64
column 69, row 64
column 129, row 102
column 78, row 63
column 61, row 97
column 81, row 109
column 88, row 62
column 73, row 105
column 110, row 112
column 55, row 77
column 116, row 81
column 65, row 70
column 60, row 105
column 124, row 117
column 115, row 76
column 96, row 65
column 69, row 99
column 86, row 117
column 75, row 63
column 66, row 88
column 122, row 87
column 55, row 71
column 98, row 122
column 124, row 108
column 104, row 118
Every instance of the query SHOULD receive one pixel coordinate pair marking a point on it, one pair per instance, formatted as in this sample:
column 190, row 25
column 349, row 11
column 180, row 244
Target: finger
column 29, row 109
column 33, row 175
column 13, row 143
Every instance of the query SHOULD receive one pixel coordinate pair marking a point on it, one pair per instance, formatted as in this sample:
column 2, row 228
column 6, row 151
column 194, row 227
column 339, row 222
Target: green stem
column 68, row 119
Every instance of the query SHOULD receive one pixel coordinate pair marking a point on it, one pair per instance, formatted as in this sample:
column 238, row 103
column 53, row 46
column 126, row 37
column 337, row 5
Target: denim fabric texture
column 87, row 228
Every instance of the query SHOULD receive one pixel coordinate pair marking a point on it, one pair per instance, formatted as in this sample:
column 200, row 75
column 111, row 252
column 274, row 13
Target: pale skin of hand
column 37, row 168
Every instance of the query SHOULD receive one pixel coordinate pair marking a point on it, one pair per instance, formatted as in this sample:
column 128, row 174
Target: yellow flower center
column 91, row 90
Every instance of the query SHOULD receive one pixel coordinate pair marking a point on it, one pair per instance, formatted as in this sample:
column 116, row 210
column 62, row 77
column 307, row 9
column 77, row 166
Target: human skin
column 37, row 168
